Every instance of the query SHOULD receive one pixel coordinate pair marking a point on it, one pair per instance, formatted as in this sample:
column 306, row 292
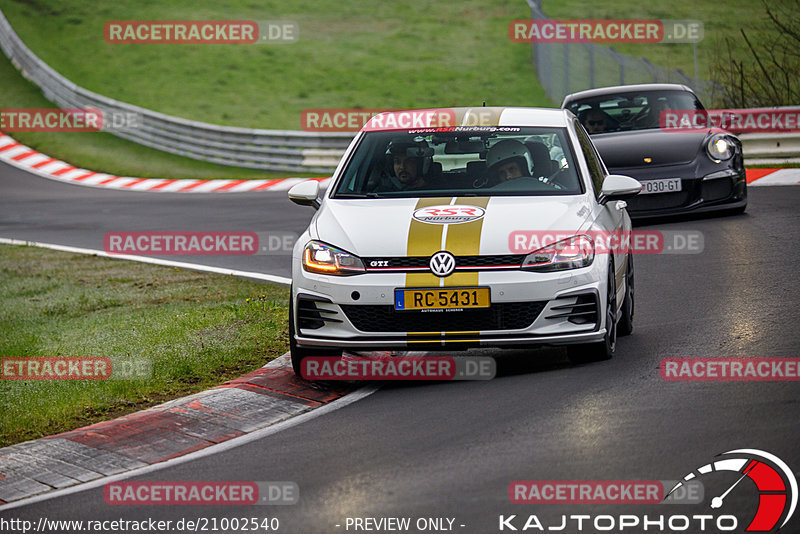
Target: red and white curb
column 30, row 160
column 773, row 177
column 259, row 403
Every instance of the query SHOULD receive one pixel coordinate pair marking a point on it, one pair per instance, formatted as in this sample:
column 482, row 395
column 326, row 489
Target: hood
column 621, row 150
column 387, row 227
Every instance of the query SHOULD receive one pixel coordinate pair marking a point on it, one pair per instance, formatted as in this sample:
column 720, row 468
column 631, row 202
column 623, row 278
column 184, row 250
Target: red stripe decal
column 43, row 163
column 12, row 145
column 192, row 186
column 267, row 185
column 231, row 185
column 24, row 155
column 65, row 170
column 136, row 182
column 163, row 184
column 85, row 176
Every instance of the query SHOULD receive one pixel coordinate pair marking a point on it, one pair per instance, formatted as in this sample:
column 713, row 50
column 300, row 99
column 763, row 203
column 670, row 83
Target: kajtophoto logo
column 765, row 503
column 774, row 480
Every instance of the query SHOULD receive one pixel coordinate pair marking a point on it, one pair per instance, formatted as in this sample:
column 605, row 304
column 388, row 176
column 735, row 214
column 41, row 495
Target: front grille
column 658, row 201
column 462, row 262
column 500, row 316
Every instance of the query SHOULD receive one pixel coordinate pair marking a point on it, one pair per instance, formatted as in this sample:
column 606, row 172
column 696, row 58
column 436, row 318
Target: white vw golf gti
column 464, row 227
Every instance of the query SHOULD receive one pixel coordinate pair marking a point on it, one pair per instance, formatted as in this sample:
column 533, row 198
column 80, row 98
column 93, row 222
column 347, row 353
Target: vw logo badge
column 442, row 264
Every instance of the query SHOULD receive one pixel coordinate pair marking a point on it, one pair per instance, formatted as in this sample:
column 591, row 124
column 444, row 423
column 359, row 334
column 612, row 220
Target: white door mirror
column 305, row 193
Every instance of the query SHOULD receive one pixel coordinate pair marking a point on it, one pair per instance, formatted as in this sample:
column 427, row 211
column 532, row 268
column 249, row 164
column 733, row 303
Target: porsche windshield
column 480, row 161
column 630, row 111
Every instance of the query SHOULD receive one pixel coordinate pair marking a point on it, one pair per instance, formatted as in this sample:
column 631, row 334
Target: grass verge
column 194, row 330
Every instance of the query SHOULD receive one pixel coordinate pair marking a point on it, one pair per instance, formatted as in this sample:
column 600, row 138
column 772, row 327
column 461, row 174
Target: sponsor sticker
column 449, row 214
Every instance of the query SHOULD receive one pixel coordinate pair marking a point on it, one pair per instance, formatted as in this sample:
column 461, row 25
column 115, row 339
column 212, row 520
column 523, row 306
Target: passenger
column 509, row 159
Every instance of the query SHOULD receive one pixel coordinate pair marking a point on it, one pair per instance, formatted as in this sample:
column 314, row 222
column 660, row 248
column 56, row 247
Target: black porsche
column 684, row 171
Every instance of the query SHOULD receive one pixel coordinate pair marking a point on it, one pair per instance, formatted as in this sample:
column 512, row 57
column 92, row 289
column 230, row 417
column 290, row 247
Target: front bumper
column 723, row 189
column 527, row 309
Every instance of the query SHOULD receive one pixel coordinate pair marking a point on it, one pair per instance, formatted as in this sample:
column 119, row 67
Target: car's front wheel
column 600, row 350
column 299, row 353
column 625, row 326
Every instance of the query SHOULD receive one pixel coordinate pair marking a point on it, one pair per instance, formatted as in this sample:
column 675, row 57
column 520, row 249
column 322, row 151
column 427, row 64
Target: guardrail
column 771, row 147
column 273, row 150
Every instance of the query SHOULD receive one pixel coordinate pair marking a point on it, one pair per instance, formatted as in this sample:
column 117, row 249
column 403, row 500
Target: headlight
column 325, row 259
column 572, row 253
column 719, row 148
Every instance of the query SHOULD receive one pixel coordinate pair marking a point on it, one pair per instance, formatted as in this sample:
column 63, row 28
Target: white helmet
column 508, row 150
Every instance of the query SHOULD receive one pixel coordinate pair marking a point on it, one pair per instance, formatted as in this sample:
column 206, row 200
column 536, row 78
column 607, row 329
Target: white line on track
column 155, row 261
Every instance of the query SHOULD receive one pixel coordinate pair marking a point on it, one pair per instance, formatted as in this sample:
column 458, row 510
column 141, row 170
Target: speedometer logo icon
column 777, row 485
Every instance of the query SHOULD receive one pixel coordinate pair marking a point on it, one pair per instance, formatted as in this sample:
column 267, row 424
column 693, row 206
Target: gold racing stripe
column 425, row 240
column 462, row 240
column 465, row 240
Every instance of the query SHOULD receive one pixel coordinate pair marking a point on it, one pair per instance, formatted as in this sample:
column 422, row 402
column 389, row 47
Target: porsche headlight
column 572, row 253
column 720, row 148
column 325, row 259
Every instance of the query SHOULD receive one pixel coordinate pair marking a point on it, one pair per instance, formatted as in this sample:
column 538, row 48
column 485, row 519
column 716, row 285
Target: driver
column 407, row 171
column 509, row 159
column 595, row 121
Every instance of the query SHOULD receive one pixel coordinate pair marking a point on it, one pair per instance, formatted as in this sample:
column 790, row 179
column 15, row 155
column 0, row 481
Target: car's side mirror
column 619, row 187
column 305, row 193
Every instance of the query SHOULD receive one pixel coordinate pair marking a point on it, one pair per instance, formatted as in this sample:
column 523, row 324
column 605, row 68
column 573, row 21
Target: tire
column 600, row 350
column 625, row 325
column 299, row 353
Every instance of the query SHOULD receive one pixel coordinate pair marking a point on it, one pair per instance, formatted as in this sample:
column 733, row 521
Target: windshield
column 630, row 111
column 464, row 161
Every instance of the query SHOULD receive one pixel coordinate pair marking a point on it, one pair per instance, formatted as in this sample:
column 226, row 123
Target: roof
column 617, row 89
